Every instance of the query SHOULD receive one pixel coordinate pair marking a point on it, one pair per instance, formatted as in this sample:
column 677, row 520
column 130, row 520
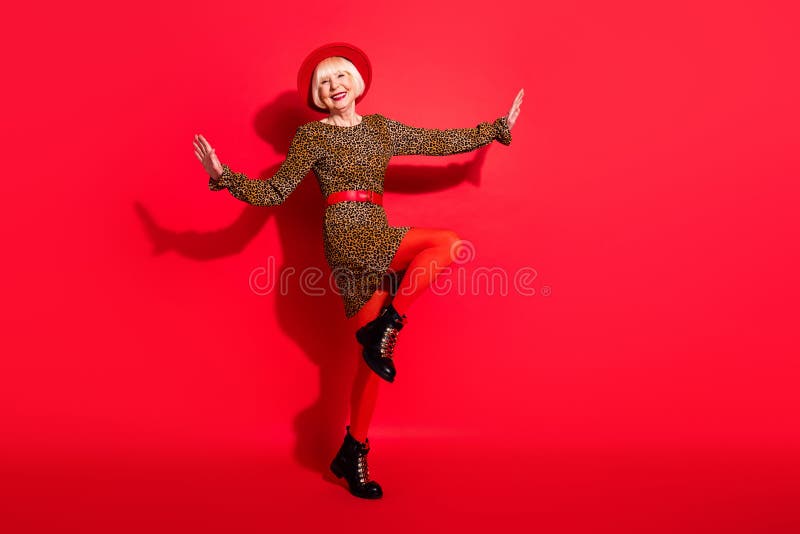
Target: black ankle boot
column 351, row 463
column 378, row 338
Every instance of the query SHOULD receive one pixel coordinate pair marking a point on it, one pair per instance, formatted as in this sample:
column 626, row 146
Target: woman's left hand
column 512, row 115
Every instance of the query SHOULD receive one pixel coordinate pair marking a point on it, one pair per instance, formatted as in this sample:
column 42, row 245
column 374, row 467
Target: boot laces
column 363, row 468
column 388, row 341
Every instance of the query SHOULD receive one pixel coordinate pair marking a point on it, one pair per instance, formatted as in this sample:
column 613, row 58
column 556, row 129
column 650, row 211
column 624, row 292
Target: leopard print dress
column 359, row 243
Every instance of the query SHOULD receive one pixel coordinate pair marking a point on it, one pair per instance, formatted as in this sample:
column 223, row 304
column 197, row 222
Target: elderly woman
column 349, row 154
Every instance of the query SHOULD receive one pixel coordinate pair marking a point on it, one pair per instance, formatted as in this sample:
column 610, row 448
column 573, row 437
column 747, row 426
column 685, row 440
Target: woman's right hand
column 207, row 157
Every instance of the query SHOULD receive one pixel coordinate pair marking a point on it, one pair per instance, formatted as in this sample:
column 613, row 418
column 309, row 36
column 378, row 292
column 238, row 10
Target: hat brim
column 354, row 54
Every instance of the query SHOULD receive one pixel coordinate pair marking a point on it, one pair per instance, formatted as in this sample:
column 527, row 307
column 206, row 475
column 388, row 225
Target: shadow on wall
column 317, row 324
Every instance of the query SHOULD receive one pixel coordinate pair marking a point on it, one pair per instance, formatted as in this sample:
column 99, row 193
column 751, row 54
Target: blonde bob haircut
column 332, row 65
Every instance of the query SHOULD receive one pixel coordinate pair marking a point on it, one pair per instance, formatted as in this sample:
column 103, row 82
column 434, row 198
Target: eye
column 341, row 75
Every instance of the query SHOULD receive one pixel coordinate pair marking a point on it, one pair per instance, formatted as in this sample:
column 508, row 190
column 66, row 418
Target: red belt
column 358, row 196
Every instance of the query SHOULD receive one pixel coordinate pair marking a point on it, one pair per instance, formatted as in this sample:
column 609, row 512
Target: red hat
column 356, row 56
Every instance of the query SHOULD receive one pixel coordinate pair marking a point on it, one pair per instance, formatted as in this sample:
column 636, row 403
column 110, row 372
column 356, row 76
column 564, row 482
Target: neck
column 344, row 117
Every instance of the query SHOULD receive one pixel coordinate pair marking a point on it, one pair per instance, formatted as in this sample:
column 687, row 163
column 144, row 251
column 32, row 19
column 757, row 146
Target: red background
column 651, row 184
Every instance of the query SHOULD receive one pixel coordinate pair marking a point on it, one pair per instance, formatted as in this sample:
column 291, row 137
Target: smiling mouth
column 339, row 96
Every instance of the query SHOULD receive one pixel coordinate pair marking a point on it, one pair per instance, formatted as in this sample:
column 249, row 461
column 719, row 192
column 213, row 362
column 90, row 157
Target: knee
column 450, row 241
column 450, row 238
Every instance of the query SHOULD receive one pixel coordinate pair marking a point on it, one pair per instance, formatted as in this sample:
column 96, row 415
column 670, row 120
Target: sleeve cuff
column 223, row 182
column 502, row 131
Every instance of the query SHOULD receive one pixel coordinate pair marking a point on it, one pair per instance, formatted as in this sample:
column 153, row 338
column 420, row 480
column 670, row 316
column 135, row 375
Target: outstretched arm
column 275, row 190
column 408, row 140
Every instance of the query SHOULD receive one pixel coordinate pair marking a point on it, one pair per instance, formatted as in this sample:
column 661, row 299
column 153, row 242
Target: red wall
column 651, row 184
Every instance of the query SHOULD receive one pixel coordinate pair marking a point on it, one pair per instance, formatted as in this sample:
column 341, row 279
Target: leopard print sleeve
column 275, row 190
column 408, row 140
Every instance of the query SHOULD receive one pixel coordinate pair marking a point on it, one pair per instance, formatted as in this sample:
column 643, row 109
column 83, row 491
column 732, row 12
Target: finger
column 205, row 143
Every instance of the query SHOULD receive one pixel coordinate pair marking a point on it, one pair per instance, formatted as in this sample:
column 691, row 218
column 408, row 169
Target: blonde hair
column 329, row 66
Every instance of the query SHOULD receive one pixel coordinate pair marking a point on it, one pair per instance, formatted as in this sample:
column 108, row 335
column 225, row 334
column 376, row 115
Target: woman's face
column 336, row 91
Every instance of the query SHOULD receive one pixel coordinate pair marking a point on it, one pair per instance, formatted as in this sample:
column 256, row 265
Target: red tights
column 423, row 253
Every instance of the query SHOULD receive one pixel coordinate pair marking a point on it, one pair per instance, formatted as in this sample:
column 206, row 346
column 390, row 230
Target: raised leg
column 423, row 254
